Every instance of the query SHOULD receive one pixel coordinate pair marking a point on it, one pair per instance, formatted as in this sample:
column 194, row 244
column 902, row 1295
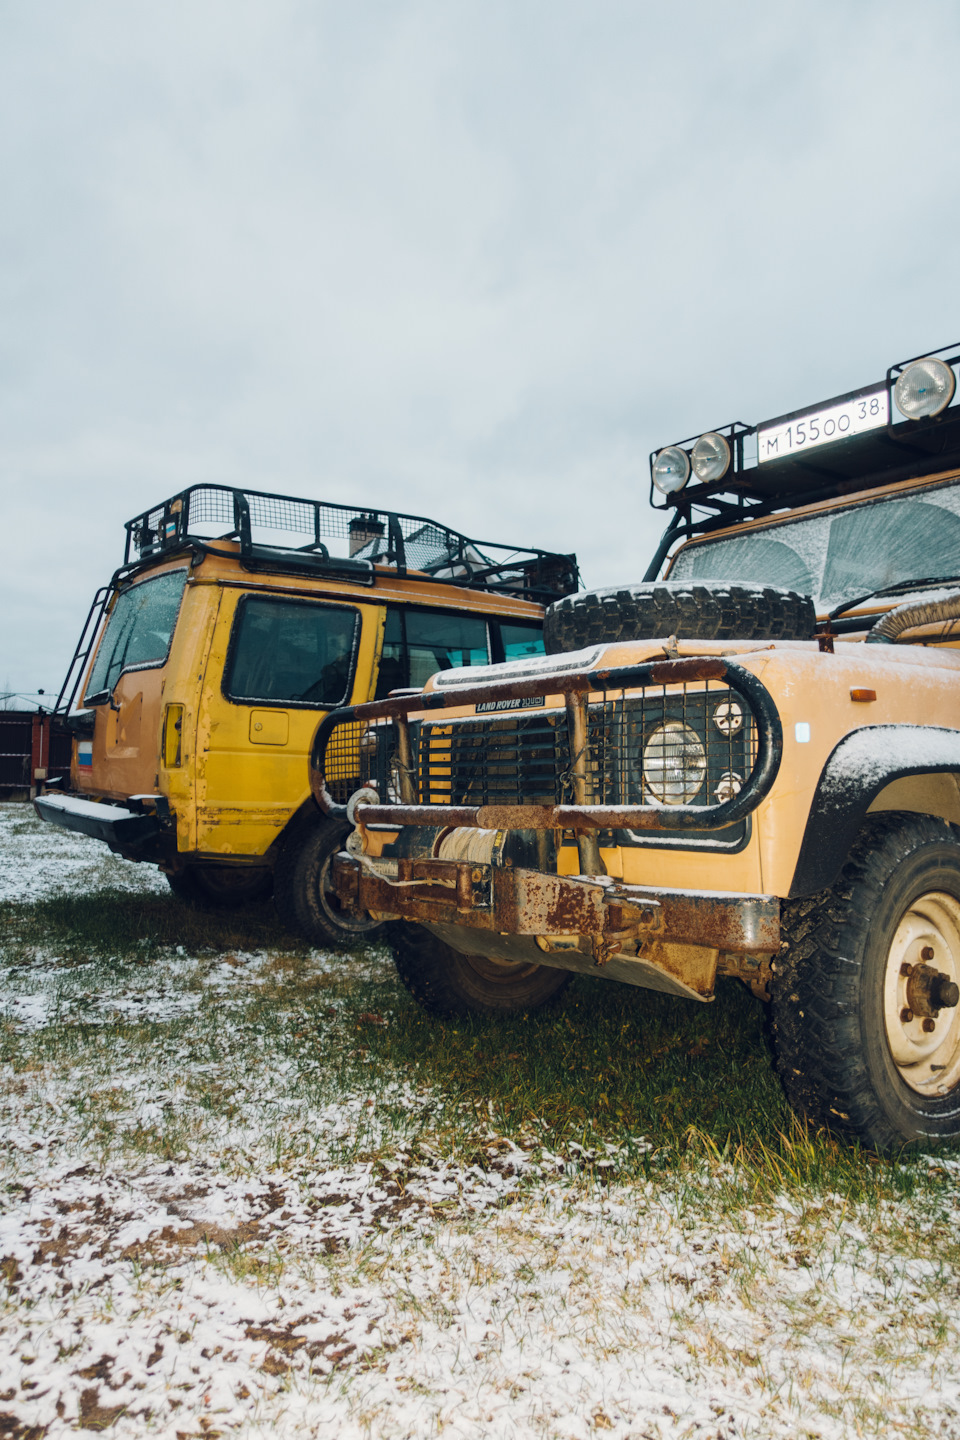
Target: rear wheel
column 221, row 887
column 864, row 994
column 303, row 894
column 443, row 981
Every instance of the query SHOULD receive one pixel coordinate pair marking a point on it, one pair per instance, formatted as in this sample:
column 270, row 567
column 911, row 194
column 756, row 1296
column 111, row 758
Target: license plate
column 822, row 427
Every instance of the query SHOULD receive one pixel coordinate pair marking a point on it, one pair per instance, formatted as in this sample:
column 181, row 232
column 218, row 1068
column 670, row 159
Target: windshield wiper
column 900, row 587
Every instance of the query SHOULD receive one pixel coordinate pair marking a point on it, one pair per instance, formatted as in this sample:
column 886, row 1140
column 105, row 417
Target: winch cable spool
column 933, row 609
column 477, row 847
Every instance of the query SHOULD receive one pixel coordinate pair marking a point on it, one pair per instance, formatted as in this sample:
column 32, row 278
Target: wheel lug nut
column 906, row 1016
column 929, row 1026
column 906, row 970
column 926, row 953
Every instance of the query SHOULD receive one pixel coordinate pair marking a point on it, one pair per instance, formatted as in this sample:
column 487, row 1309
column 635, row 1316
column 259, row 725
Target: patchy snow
column 37, row 860
column 861, row 762
column 205, row 1230
column 570, row 662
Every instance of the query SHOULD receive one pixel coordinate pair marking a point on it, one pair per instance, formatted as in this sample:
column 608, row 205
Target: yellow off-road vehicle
column 236, row 619
column 748, row 768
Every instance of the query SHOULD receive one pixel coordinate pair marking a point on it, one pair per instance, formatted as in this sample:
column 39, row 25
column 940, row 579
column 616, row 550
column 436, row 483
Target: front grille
column 513, row 760
column 524, row 759
column 359, row 754
column 344, row 761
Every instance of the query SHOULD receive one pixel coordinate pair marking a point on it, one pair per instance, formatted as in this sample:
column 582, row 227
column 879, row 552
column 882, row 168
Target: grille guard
column 583, row 816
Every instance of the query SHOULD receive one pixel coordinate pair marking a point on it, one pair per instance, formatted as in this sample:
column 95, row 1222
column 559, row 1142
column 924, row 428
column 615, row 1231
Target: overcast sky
column 471, row 260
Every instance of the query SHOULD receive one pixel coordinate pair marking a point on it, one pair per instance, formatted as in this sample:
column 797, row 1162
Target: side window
column 519, row 639
column 418, row 643
column 138, row 632
column 291, row 652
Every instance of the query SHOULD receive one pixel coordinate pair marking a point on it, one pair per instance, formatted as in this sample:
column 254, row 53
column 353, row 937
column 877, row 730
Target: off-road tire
column 445, row 982
column 827, row 1018
column 301, row 893
column 690, row 610
column 221, row 887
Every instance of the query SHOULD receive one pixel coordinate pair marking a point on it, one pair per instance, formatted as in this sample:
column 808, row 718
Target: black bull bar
column 583, row 816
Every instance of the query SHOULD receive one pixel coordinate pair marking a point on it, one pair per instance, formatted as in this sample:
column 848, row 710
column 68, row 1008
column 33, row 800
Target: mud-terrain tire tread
column 691, row 611
column 439, row 979
column 189, row 886
column 817, row 1014
column 310, row 843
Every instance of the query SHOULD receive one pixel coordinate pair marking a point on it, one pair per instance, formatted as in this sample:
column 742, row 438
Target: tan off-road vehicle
column 749, row 768
column 236, row 621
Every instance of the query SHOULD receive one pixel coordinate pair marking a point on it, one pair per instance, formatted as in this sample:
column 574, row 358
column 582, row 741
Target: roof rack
column 850, row 443
column 280, row 532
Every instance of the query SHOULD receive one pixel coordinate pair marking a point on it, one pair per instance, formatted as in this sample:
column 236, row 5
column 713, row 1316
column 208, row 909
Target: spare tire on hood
column 691, row 610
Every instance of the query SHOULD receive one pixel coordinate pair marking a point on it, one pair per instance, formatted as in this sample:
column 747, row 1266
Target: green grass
column 603, row 1065
column 123, row 925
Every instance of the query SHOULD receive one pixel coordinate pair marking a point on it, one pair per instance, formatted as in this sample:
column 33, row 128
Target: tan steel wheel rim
column 928, row 1060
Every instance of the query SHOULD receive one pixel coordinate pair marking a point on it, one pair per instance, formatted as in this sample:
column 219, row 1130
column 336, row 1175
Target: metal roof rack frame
column 290, row 534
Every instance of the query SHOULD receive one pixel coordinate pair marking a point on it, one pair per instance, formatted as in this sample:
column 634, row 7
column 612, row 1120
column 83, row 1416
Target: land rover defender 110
column 237, row 619
column 749, row 768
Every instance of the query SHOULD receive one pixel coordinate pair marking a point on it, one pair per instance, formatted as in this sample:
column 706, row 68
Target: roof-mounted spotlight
column 710, row 457
column 671, row 470
column 924, row 389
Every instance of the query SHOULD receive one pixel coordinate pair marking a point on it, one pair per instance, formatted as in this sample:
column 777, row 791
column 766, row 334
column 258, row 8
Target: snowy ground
column 36, row 860
column 201, row 1236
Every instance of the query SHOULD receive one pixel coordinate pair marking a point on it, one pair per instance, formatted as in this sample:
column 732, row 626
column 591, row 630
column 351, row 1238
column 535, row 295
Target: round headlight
column 674, row 763
column 925, row 388
column 671, row 470
column 711, row 457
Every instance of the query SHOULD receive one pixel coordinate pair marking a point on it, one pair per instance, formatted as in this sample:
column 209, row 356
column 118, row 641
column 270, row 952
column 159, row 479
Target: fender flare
column 861, row 765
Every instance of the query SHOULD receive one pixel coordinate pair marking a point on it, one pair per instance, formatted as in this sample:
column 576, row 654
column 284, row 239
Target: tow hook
column 356, row 842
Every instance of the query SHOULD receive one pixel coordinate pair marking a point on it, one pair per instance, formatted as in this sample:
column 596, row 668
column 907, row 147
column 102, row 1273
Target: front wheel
column 864, row 1012
column 445, row 982
column 304, row 896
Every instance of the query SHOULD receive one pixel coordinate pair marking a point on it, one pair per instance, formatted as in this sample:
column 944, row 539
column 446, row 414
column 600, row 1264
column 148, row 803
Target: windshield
column 138, row 631
column 842, row 554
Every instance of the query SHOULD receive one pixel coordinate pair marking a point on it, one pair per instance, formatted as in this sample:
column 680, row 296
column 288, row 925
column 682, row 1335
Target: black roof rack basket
column 317, row 536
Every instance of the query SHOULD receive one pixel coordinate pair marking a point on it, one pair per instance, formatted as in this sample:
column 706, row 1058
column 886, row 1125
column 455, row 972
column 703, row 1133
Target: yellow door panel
column 251, row 756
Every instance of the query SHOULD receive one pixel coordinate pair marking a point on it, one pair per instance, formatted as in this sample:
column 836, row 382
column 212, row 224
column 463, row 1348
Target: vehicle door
column 125, row 686
column 277, row 664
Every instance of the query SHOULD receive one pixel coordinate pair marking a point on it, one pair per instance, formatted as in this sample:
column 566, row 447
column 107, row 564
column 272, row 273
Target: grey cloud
column 474, row 260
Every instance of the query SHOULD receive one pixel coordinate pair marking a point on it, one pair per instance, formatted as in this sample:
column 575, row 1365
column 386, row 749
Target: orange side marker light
column 863, row 695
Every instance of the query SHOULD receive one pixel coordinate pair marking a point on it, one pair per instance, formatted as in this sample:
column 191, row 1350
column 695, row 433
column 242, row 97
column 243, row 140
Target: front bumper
column 601, row 918
column 123, row 830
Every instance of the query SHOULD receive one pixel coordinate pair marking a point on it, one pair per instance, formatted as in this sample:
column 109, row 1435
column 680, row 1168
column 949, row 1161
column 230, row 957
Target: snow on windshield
column 841, row 554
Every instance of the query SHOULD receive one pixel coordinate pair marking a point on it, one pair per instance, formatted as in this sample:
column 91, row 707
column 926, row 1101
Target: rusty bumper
column 518, row 901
